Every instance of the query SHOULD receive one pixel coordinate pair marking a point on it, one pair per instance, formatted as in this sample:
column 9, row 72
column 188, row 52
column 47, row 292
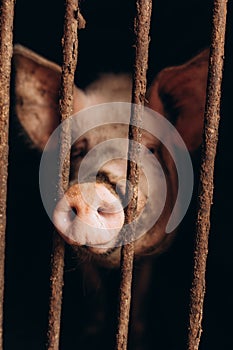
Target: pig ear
column 37, row 85
column 179, row 93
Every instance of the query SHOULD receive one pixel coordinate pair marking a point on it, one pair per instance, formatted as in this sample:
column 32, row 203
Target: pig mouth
column 95, row 252
column 101, row 250
column 103, row 246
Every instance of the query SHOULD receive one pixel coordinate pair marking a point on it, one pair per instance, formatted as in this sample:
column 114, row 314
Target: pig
column 178, row 93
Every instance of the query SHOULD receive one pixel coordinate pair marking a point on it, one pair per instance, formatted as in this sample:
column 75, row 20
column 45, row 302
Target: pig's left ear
column 37, row 85
column 179, row 93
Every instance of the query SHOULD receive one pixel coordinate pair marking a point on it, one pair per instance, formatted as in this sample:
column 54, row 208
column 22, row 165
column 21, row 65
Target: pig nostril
column 104, row 211
column 72, row 213
column 74, row 210
column 100, row 210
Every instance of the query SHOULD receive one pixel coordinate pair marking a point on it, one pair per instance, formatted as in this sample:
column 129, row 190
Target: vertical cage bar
column 70, row 56
column 211, row 124
column 142, row 29
column 6, row 51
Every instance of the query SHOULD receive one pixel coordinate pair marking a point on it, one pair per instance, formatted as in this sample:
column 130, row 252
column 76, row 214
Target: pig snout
column 91, row 215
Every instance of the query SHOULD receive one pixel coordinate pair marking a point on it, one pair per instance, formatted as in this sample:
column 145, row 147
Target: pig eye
column 79, row 151
column 152, row 149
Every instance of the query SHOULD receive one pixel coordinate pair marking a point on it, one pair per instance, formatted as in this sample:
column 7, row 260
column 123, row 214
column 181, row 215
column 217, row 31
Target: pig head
column 90, row 216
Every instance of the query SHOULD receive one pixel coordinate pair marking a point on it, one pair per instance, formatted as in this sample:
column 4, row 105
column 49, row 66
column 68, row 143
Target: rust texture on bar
column 212, row 116
column 73, row 20
column 142, row 28
column 6, row 50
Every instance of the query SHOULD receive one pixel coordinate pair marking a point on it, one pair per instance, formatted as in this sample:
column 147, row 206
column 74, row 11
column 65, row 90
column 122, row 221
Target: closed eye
column 78, row 153
column 153, row 149
column 79, row 150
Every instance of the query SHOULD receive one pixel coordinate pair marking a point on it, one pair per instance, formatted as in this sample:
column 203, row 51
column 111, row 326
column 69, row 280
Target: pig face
column 97, row 192
column 90, row 216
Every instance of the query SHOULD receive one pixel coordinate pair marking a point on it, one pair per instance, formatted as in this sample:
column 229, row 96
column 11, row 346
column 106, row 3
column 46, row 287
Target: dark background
column 179, row 30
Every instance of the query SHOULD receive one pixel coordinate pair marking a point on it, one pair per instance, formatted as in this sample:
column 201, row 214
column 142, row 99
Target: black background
column 179, row 30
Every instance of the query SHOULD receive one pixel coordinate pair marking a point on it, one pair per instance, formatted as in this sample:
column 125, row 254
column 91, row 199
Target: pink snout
column 90, row 214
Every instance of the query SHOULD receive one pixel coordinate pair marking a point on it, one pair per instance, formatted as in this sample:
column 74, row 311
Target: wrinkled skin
column 178, row 93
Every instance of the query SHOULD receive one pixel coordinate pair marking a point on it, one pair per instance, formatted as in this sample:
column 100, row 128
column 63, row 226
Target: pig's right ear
column 37, row 85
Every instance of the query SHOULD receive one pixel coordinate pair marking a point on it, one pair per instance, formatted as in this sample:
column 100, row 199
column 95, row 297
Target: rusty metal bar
column 141, row 28
column 211, row 121
column 72, row 21
column 6, row 51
